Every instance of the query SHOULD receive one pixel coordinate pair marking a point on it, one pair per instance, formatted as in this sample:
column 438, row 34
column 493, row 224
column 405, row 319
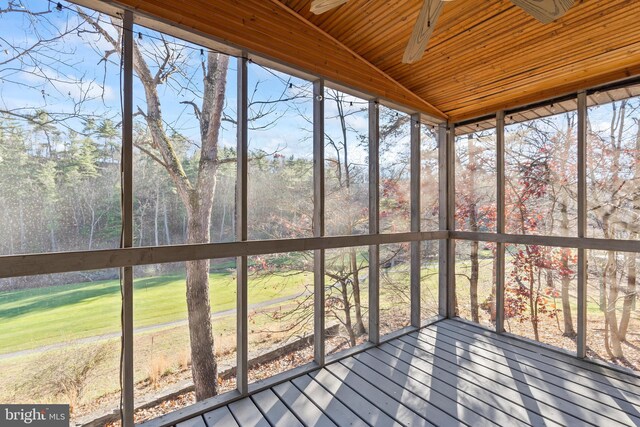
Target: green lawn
column 36, row 317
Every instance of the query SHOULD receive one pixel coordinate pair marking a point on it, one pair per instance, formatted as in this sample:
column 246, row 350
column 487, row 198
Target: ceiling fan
column 545, row 11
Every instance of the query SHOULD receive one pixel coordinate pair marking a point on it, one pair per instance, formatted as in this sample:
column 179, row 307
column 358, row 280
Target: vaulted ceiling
column 484, row 55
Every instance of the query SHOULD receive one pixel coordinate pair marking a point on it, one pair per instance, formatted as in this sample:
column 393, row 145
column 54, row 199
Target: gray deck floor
column 449, row 373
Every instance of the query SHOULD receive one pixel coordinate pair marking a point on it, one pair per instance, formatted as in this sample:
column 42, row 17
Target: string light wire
column 198, row 49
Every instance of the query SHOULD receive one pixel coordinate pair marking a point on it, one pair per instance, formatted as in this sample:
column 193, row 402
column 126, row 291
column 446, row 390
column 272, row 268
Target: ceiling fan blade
column 321, row 6
column 422, row 30
column 545, row 11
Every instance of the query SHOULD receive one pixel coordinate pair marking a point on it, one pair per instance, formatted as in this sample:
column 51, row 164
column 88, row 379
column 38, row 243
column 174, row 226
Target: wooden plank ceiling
column 484, row 55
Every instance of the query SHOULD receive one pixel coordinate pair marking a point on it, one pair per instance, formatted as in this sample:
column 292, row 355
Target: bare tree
column 157, row 65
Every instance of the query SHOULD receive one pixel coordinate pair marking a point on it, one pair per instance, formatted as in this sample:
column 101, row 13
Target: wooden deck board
column 508, row 400
column 193, row 422
column 373, row 415
column 220, row 417
column 567, row 362
column 302, row 406
column 417, row 399
column 247, row 414
column 451, row 373
column 616, row 387
column 539, row 374
column 569, row 412
column 336, row 410
column 468, row 397
column 274, row 410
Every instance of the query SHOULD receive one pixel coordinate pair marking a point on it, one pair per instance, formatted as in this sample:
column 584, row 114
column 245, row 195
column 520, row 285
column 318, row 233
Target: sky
column 61, row 74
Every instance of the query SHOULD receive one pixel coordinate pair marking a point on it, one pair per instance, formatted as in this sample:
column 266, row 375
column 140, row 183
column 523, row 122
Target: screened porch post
column 415, row 220
column 443, row 199
column 318, row 221
column 127, row 220
column 241, row 226
column 500, row 222
column 582, row 225
column 374, row 221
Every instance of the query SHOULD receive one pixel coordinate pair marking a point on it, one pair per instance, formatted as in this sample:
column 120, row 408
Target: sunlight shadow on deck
column 447, row 374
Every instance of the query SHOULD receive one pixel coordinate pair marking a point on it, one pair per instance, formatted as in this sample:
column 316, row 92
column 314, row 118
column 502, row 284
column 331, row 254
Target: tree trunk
column 22, row 226
column 473, row 282
column 92, row 228
column 52, row 235
column 167, row 235
column 533, row 301
column 156, row 211
column 204, row 367
column 222, row 221
column 629, row 296
column 566, row 306
column 347, row 313
column 359, row 328
column 566, row 281
column 492, row 298
column 610, row 311
column 10, row 226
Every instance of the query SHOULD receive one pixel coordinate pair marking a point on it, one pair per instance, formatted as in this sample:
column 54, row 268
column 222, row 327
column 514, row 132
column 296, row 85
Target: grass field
column 33, row 318
column 37, row 317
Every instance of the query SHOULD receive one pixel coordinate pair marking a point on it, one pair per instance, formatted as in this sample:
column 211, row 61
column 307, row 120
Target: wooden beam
column 127, row 222
column 269, row 28
column 581, row 340
column 374, row 221
column 63, row 262
column 443, row 200
column 242, row 281
column 451, row 221
column 555, row 87
column 562, row 242
column 318, row 223
column 415, row 220
column 500, row 222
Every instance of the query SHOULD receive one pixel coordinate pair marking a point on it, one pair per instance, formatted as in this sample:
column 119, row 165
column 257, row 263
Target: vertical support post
column 415, row 220
column 127, row 220
column 318, row 221
column 500, row 222
column 582, row 225
column 442, row 220
column 451, row 207
column 374, row 221
column 242, row 332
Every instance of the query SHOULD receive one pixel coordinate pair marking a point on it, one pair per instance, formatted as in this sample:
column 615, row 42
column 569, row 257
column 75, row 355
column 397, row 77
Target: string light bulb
column 59, row 7
column 139, row 36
